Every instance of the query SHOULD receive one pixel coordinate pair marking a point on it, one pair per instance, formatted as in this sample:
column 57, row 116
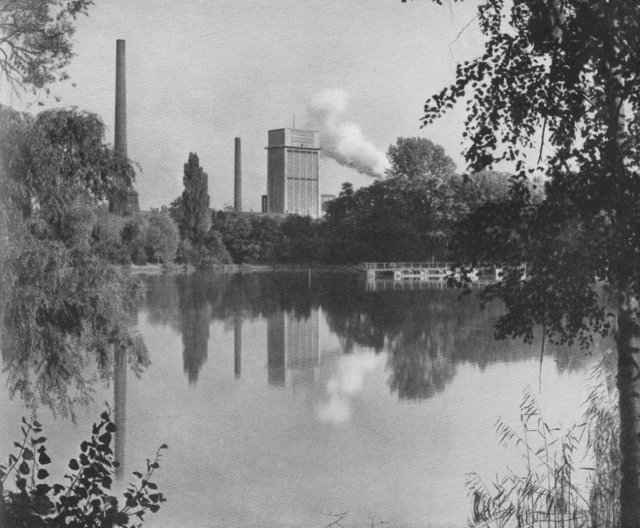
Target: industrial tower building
column 292, row 172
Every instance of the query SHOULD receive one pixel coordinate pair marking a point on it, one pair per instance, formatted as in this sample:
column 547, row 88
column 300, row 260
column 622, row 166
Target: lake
column 295, row 400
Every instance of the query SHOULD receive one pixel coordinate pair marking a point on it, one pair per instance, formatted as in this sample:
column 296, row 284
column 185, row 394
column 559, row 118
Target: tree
column 61, row 305
column 563, row 75
column 193, row 218
column 303, row 241
column 414, row 159
column 161, row 238
column 406, row 216
column 36, row 40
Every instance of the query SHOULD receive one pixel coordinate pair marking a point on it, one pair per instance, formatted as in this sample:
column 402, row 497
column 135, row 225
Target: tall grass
column 550, row 490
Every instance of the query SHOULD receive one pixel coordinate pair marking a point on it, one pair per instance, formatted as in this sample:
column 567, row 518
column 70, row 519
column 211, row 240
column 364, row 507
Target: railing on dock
column 426, row 271
column 390, row 266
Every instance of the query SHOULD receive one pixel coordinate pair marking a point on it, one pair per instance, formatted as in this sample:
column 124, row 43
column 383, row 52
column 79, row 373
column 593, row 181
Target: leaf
column 43, row 489
column 44, row 459
column 42, row 474
column 24, row 468
column 105, row 438
column 73, row 464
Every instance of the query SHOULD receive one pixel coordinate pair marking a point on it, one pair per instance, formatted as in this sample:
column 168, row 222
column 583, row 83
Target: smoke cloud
column 343, row 140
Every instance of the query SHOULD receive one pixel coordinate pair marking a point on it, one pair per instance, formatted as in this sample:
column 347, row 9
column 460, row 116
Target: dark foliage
column 564, row 76
column 191, row 210
column 85, row 498
column 36, row 41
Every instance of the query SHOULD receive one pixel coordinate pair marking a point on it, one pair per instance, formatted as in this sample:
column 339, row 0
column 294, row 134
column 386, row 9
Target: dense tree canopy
column 409, row 215
column 414, row 159
column 36, row 40
column 564, row 75
column 61, row 305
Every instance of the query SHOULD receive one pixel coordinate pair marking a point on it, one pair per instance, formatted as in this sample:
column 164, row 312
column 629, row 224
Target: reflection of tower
column 120, row 404
column 292, row 343
column 237, row 345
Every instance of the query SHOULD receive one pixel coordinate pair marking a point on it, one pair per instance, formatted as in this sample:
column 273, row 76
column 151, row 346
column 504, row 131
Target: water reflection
column 276, row 349
column 120, row 407
column 293, row 344
column 298, row 394
column 346, row 383
column 237, row 346
column 425, row 333
column 194, row 326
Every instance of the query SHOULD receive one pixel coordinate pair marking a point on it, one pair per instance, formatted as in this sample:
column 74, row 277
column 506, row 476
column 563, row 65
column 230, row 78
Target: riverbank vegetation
column 407, row 215
column 31, row 500
column 553, row 487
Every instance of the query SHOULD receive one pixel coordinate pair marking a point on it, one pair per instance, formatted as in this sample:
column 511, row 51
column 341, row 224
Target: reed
column 550, row 490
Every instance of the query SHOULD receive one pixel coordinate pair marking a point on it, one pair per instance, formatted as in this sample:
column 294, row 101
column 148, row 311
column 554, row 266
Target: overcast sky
column 200, row 73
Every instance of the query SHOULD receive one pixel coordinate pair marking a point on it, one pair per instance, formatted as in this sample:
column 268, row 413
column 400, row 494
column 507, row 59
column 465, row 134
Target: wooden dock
column 428, row 272
column 407, row 285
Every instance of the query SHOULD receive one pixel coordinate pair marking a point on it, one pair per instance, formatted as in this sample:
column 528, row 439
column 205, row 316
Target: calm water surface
column 286, row 401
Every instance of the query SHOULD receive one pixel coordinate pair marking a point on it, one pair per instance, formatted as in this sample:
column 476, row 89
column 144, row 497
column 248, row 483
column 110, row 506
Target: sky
column 200, row 73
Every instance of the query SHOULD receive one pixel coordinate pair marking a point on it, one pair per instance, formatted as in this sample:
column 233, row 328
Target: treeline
column 409, row 214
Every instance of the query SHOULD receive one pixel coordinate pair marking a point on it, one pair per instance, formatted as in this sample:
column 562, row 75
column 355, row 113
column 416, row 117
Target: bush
column 184, row 252
column 106, row 239
column 85, row 499
column 210, row 253
column 161, row 238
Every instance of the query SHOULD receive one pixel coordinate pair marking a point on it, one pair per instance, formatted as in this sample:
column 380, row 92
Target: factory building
column 292, row 172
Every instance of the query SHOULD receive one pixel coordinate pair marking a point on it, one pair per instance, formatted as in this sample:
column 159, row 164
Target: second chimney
column 120, row 140
column 237, row 178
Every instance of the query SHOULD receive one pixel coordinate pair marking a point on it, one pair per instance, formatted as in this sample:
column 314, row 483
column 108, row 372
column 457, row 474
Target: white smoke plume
column 343, row 140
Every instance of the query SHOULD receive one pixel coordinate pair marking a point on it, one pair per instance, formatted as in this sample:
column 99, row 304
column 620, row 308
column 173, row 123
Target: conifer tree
column 194, row 214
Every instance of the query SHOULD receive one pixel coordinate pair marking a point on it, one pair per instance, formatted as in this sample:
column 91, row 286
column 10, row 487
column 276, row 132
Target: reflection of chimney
column 275, row 349
column 237, row 346
column 120, row 404
column 237, row 178
column 120, row 141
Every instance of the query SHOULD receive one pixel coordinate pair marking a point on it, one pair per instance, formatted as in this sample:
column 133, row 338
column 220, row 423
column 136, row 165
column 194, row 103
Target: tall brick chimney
column 120, row 140
column 125, row 202
column 237, row 178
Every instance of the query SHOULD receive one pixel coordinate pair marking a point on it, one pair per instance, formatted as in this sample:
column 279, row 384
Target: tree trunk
column 3, row 509
column 628, row 344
